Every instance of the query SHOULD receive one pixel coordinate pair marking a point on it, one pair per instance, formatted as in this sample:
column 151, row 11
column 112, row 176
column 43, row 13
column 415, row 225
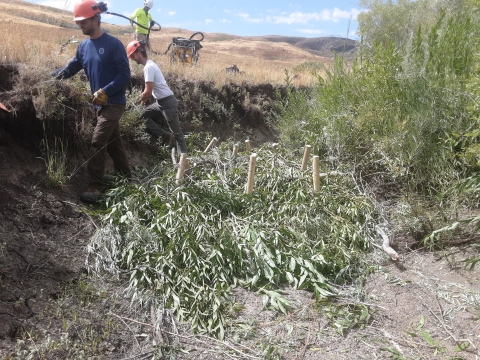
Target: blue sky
column 305, row 18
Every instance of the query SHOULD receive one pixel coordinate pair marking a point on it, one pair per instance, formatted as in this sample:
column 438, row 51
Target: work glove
column 152, row 24
column 57, row 74
column 99, row 97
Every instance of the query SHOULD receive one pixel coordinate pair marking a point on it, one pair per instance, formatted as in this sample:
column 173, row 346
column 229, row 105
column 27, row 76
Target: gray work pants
column 144, row 37
column 107, row 140
column 168, row 107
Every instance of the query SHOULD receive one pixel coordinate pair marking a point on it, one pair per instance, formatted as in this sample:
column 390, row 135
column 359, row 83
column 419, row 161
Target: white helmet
column 148, row 3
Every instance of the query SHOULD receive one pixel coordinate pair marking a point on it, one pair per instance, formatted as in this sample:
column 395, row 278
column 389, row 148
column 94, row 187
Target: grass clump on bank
column 187, row 247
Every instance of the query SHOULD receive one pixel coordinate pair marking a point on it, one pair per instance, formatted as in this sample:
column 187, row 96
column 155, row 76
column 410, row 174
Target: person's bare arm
column 147, row 92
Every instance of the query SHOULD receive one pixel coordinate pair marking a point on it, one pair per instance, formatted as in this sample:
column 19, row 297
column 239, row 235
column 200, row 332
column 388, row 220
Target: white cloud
column 247, row 18
column 298, row 17
column 225, row 21
column 342, row 14
column 208, row 21
column 356, row 12
column 227, row 12
column 311, row 31
column 171, row 13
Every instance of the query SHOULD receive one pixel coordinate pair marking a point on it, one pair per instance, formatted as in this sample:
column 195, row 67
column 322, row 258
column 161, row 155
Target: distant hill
column 325, row 46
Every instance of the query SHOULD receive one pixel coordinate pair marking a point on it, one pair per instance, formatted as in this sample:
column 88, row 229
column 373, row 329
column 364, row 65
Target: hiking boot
column 92, row 195
column 168, row 139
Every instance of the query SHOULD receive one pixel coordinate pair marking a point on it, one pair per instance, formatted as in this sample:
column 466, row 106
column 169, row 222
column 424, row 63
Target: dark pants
column 106, row 140
column 168, row 107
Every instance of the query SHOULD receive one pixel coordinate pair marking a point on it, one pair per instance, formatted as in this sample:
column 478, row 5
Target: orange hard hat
column 133, row 46
column 85, row 9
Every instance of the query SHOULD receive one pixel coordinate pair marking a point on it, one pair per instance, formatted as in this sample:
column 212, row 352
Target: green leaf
column 426, row 336
column 130, row 255
column 290, row 277
column 421, row 323
column 462, row 346
column 292, row 264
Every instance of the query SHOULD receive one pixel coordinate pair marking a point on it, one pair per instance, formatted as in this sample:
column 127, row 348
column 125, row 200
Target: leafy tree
column 409, row 89
column 397, row 21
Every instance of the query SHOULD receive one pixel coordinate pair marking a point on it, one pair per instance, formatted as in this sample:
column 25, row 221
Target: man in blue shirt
column 104, row 60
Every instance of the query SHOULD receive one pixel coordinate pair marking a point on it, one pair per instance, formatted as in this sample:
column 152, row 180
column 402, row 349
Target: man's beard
column 88, row 32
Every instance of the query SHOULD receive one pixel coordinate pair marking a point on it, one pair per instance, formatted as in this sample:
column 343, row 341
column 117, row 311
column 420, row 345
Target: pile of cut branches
column 186, row 247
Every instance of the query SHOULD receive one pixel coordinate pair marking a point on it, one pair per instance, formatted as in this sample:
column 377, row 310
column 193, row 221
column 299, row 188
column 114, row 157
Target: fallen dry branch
column 406, row 342
column 193, row 337
column 441, row 321
column 386, row 243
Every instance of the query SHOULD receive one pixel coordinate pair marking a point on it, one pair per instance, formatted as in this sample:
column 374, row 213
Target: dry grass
column 33, row 34
column 261, row 61
column 29, row 43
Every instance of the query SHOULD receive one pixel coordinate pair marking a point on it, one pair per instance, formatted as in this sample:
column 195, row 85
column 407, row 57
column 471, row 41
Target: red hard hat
column 85, row 9
column 132, row 47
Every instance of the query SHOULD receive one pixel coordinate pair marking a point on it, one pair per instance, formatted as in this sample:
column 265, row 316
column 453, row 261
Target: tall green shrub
column 392, row 109
column 396, row 21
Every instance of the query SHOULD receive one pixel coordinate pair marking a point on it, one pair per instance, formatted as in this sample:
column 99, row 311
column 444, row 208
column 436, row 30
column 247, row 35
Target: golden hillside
column 263, row 59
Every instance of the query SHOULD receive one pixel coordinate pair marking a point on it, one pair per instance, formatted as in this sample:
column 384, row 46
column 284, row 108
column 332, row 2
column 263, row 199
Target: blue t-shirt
column 105, row 63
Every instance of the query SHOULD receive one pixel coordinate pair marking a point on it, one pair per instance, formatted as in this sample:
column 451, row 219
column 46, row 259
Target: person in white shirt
column 165, row 104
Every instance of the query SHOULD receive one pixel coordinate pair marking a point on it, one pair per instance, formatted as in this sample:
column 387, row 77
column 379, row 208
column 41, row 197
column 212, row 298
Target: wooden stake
column 174, row 160
column 235, row 151
column 330, row 174
column 316, row 173
column 212, row 142
column 306, row 155
column 248, row 145
column 181, row 168
column 251, row 174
